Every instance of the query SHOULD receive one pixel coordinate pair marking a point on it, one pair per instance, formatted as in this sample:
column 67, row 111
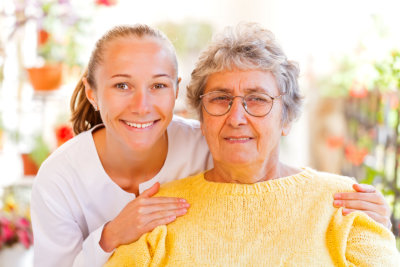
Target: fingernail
column 185, row 205
column 337, row 196
column 182, row 211
column 345, row 211
column 337, row 203
column 182, row 200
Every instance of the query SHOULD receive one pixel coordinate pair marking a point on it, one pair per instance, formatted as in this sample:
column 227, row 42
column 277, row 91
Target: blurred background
column 349, row 56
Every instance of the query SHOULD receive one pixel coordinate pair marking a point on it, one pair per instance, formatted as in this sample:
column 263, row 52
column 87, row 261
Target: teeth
column 139, row 125
column 239, row 139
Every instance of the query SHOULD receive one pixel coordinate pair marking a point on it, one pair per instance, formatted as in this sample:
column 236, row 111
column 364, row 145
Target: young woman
column 95, row 192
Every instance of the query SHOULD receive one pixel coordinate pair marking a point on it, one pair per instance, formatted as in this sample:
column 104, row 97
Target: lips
column 238, row 139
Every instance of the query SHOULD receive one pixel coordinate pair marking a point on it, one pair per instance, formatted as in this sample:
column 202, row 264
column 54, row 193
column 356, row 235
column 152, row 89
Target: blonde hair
column 247, row 46
column 84, row 117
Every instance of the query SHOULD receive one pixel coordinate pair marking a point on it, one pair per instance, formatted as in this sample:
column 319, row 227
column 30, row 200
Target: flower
column 335, row 141
column 355, row 154
column 63, row 134
column 358, row 90
column 14, row 227
column 106, row 2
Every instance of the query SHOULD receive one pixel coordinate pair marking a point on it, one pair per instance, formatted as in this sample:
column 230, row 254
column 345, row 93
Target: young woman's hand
column 367, row 200
column 140, row 216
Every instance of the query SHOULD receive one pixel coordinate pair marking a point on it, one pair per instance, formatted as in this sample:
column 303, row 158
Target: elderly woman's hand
column 367, row 200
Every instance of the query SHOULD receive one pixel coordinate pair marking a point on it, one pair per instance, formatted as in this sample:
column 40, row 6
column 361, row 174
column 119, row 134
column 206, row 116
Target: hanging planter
column 46, row 78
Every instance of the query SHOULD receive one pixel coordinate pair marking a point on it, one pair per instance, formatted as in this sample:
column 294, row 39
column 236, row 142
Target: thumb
column 151, row 191
column 364, row 188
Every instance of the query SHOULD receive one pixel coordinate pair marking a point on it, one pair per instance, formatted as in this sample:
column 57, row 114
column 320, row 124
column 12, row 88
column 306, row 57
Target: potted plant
column 59, row 27
column 35, row 157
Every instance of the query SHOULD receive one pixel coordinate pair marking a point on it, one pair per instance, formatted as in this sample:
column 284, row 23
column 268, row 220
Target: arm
column 367, row 200
column 59, row 239
column 149, row 250
column 357, row 240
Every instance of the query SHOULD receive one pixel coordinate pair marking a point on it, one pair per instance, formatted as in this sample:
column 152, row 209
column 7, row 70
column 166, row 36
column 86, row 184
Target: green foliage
column 371, row 174
column 389, row 72
column 40, row 151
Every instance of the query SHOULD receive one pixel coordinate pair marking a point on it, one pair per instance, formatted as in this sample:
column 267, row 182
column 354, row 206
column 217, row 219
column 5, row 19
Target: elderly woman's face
column 238, row 137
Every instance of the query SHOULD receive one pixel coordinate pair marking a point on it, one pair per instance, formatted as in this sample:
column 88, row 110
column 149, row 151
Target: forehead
column 242, row 81
column 138, row 53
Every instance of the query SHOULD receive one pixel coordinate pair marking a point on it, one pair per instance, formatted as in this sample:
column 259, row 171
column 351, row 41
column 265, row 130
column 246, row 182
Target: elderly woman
column 246, row 210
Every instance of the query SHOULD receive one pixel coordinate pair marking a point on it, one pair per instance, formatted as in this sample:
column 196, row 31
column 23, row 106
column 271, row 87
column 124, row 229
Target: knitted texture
column 289, row 221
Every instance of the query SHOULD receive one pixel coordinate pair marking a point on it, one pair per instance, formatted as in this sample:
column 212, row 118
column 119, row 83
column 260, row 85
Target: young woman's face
column 136, row 88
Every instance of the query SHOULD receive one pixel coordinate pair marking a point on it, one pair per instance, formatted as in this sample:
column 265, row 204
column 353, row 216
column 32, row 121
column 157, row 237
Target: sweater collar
column 279, row 184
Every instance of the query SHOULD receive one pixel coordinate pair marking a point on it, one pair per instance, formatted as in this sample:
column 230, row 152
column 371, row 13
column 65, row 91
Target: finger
column 357, row 205
column 153, row 224
column 160, row 207
column 151, row 191
column 162, row 200
column 376, row 217
column 367, row 197
column 365, row 188
column 162, row 214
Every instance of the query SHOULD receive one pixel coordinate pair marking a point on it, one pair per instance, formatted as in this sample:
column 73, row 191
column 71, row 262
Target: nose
column 140, row 102
column 237, row 113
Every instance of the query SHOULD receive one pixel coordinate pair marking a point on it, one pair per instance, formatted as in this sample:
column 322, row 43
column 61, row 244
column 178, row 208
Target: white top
column 73, row 197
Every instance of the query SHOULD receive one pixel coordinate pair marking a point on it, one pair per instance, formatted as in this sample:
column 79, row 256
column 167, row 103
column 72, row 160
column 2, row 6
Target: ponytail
column 83, row 115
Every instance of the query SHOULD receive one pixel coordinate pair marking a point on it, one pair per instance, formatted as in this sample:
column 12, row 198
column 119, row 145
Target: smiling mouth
column 238, row 139
column 140, row 125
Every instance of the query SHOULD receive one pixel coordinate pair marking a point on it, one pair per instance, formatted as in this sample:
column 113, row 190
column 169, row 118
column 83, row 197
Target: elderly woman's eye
column 258, row 99
column 219, row 98
column 122, row 86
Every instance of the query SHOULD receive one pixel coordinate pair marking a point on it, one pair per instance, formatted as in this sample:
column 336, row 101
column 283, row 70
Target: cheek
column 165, row 104
column 210, row 129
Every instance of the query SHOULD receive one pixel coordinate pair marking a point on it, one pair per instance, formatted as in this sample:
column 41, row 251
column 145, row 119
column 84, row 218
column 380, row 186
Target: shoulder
column 180, row 125
column 331, row 182
column 179, row 188
column 66, row 160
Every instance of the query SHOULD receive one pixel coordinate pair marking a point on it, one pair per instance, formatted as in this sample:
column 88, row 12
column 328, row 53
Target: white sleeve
column 58, row 238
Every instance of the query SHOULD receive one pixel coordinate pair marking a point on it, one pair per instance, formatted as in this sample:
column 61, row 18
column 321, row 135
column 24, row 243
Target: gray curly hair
column 247, row 46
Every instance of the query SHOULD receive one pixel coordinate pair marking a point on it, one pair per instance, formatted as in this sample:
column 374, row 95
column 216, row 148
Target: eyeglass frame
column 244, row 104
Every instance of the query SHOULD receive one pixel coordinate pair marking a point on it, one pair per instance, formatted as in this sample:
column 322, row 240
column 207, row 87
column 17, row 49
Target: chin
column 243, row 160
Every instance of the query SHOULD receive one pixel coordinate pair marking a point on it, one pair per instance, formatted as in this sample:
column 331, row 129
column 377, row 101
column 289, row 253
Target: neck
column 246, row 173
column 126, row 167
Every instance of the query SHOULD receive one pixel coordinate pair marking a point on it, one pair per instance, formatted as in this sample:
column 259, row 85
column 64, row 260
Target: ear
column 177, row 87
column 90, row 93
column 286, row 129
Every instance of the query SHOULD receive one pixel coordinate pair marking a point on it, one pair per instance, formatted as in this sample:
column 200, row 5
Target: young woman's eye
column 159, row 86
column 122, row 86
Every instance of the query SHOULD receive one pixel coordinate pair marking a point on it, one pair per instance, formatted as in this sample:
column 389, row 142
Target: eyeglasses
column 219, row 103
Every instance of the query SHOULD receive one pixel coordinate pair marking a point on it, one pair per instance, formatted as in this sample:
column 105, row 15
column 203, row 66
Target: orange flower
column 335, row 141
column 43, row 36
column 358, row 90
column 355, row 155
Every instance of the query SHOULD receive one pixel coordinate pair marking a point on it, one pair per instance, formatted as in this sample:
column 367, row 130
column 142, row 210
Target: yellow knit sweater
column 283, row 222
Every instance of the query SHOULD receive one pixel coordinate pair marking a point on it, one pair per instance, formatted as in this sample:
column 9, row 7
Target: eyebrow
column 121, row 75
column 247, row 90
column 129, row 76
